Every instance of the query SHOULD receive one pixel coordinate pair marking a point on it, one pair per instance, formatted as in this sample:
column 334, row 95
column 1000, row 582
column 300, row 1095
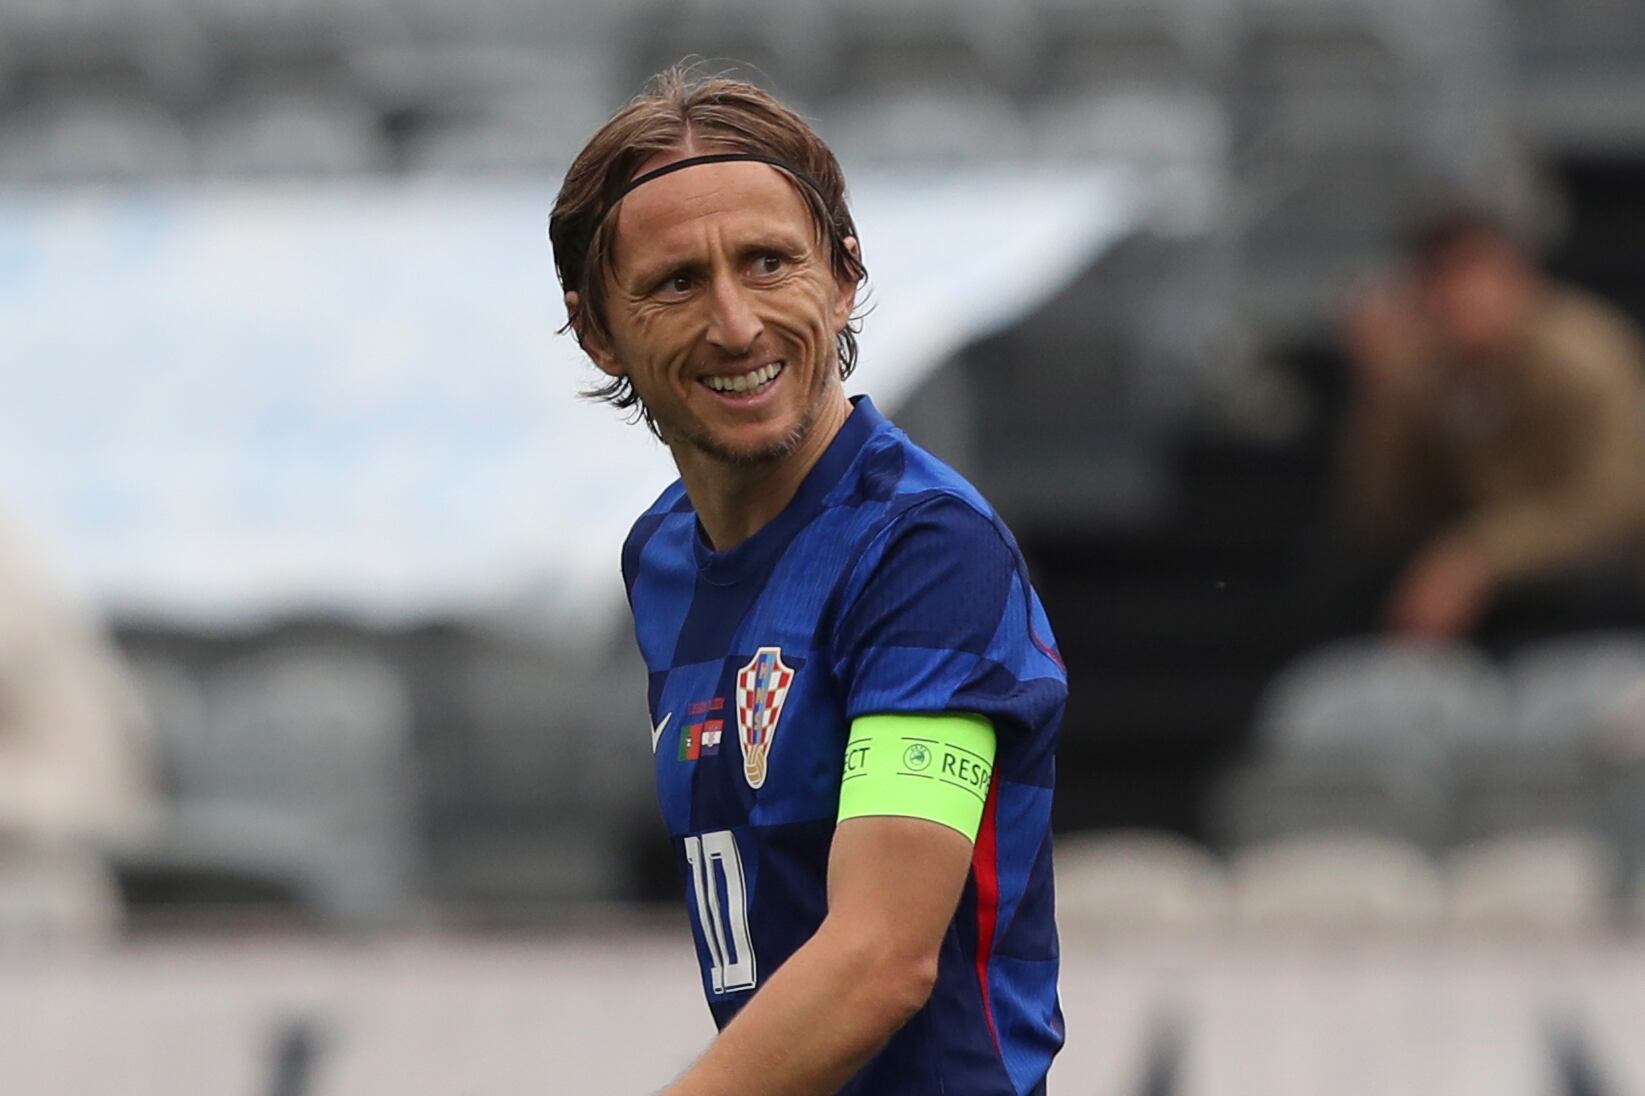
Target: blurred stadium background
column 283, row 407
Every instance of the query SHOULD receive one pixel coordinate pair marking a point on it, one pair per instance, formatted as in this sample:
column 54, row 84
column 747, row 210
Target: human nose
column 733, row 325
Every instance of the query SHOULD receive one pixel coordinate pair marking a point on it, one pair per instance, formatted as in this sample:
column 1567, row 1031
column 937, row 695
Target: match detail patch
column 935, row 767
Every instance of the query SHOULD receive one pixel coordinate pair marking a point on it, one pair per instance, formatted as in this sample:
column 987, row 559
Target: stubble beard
column 785, row 446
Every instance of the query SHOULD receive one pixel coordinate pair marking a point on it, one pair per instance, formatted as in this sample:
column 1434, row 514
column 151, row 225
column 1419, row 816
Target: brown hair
column 1440, row 228
column 676, row 108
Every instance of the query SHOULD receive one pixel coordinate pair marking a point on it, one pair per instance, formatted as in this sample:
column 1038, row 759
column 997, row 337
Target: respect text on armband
column 930, row 759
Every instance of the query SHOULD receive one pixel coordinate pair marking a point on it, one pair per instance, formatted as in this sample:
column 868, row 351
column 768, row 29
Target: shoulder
column 1593, row 344
column 671, row 502
column 937, row 614
column 938, row 504
column 916, row 517
column 943, row 521
column 936, row 556
column 898, row 483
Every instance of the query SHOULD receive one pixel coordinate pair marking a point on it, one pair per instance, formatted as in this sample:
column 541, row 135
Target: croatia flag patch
column 698, row 740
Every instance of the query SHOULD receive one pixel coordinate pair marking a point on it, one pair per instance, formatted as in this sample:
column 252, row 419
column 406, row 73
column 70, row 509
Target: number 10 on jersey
column 723, row 917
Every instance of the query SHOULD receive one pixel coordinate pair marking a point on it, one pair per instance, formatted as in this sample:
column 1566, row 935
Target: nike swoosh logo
column 657, row 731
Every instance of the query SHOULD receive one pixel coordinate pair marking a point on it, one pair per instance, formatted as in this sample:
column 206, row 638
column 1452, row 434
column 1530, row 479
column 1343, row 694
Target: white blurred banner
column 218, row 405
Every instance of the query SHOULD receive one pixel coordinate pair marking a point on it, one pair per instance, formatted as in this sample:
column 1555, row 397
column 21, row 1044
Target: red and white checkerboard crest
column 762, row 686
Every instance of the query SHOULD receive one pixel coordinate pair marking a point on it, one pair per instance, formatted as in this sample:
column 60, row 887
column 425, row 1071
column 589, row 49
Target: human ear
column 594, row 342
column 846, row 298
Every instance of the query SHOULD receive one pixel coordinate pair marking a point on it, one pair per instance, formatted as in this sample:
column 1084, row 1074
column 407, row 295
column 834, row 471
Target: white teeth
column 745, row 382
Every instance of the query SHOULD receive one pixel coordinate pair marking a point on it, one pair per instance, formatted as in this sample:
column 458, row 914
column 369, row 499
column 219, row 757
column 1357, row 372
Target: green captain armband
column 936, row 767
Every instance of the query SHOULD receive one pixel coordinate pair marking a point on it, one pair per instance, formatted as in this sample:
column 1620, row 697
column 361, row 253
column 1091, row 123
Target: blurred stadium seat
column 1432, row 746
column 516, row 133
column 475, row 108
column 1375, row 695
column 1336, row 881
column 1122, row 45
column 1143, row 127
column 253, row 38
column 1546, row 765
column 787, row 46
column 925, row 126
column 1579, row 79
column 1571, row 690
column 53, row 895
column 177, row 717
column 1138, row 882
column 324, row 737
column 967, row 44
column 1356, row 735
column 1332, row 44
column 1623, row 796
column 513, row 20
column 52, row 48
column 90, row 139
column 502, row 140
column 1330, row 110
column 303, row 784
column 1391, row 795
column 1549, row 881
column 292, row 134
column 565, row 801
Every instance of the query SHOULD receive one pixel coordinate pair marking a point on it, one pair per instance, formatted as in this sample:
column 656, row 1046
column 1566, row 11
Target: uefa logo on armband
column 762, row 686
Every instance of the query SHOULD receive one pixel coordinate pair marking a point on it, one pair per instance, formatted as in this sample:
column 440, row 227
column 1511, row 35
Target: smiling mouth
column 744, row 384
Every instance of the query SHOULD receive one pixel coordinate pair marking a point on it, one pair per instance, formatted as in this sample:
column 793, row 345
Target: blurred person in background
column 1496, row 441
column 853, row 687
column 75, row 772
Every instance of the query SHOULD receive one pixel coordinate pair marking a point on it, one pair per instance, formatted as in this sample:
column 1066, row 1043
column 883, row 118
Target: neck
column 734, row 502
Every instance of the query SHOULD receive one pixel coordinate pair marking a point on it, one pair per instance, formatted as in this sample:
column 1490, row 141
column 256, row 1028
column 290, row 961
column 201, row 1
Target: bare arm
column 893, row 886
column 1385, row 493
column 1386, row 496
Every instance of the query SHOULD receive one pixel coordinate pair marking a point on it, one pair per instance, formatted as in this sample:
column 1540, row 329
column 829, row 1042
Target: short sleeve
column 922, row 613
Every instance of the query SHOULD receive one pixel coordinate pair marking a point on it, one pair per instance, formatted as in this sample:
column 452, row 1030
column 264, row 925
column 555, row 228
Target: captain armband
column 937, row 767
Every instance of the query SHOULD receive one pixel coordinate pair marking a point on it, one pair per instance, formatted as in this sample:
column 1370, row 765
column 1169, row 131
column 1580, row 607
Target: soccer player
column 854, row 690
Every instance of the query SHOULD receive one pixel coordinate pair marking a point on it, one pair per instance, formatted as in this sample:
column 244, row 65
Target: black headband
column 693, row 161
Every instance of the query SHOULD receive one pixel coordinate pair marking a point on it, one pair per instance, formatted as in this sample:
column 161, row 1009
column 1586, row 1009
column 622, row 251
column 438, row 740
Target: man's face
column 1475, row 293
column 722, row 310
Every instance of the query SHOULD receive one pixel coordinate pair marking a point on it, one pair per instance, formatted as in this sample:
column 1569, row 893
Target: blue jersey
column 887, row 585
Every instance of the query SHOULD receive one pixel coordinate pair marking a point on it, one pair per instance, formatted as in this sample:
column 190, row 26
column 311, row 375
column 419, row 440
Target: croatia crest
column 762, row 686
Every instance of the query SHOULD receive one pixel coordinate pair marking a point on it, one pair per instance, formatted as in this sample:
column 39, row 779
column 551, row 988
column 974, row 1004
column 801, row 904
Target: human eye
column 674, row 286
column 768, row 264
